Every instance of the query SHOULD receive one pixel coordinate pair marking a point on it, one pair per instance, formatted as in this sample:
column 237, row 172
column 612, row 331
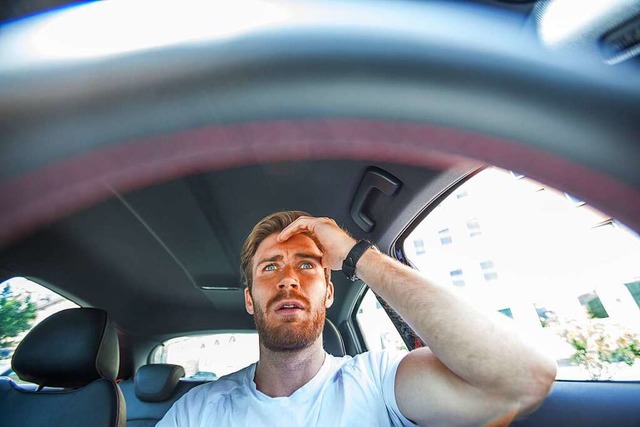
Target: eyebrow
column 304, row 255
column 270, row 259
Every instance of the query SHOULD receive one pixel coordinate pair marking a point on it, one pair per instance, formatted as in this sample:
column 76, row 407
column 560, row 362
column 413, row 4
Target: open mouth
column 289, row 307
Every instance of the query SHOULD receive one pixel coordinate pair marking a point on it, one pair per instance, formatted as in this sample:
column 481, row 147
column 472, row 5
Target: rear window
column 209, row 357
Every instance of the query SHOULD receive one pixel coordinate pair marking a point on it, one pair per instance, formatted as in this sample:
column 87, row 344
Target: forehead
column 295, row 244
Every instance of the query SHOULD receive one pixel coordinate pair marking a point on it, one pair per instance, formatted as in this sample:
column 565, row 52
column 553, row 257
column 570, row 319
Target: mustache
column 285, row 295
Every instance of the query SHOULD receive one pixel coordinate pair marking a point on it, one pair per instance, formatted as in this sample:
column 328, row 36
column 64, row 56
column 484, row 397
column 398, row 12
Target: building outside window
column 591, row 302
column 445, row 236
column 474, row 227
column 634, row 289
column 457, row 278
column 488, row 271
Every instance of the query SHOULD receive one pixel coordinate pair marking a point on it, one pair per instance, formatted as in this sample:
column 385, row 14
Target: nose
column 289, row 278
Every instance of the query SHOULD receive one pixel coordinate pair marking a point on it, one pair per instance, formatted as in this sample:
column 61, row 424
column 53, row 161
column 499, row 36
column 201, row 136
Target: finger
column 300, row 225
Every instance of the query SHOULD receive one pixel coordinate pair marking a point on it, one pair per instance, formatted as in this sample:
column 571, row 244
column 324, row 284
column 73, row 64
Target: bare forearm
column 482, row 349
column 477, row 366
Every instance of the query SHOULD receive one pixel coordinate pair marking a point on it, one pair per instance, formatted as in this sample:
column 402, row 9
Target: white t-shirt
column 347, row 391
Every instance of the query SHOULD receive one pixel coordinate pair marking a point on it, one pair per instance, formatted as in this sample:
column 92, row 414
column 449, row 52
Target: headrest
column 71, row 348
column 155, row 383
column 332, row 340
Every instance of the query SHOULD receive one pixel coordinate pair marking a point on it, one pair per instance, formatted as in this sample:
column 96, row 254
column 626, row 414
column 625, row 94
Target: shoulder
column 376, row 365
column 369, row 360
column 220, row 388
column 203, row 402
column 369, row 379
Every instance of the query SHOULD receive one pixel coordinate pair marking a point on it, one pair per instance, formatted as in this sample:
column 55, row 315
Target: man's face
column 290, row 293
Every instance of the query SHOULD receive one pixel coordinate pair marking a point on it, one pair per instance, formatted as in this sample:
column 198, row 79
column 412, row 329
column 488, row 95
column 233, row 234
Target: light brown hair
column 271, row 224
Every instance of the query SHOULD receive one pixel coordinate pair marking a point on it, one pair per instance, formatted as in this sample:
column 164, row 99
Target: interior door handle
column 373, row 179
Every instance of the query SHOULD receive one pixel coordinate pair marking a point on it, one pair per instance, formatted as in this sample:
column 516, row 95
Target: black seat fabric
column 152, row 392
column 155, row 383
column 332, row 340
column 75, row 351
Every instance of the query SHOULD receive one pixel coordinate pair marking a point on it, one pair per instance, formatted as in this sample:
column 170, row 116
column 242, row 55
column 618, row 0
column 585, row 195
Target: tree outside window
column 17, row 315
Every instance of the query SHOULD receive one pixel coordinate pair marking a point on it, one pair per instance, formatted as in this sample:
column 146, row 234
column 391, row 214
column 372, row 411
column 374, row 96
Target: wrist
column 353, row 257
column 369, row 258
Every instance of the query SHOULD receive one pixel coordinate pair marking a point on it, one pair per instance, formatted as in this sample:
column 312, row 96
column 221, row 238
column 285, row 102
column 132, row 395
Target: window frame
column 397, row 245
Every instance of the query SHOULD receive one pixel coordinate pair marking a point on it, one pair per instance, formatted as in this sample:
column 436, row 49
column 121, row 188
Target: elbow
column 539, row 386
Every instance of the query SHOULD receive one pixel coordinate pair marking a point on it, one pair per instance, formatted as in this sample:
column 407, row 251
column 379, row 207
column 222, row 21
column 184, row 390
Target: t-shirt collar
column 304, row 393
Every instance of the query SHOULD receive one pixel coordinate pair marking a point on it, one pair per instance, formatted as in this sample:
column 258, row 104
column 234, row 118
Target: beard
column 290, row 334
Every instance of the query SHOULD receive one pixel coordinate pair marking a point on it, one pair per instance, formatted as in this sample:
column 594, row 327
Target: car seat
column 73, row 358
column 332, row 340
column 153, row 391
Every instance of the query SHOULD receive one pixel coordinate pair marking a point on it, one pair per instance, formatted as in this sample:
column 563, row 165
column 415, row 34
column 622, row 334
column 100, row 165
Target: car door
column 567, row 274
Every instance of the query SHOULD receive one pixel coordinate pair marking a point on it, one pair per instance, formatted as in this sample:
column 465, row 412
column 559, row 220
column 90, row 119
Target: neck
column 280, row 374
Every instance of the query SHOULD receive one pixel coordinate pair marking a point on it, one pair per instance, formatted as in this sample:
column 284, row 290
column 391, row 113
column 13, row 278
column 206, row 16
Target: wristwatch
column 349, row 263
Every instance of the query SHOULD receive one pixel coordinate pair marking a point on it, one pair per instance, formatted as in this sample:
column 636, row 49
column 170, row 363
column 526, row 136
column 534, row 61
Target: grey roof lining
column 108, row 258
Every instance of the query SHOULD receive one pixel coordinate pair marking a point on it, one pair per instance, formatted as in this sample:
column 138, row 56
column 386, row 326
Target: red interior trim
column 42, row 196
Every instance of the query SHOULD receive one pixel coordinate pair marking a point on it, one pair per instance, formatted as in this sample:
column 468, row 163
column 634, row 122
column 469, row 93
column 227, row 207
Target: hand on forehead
column 299, row 244
column 304, row 239
column 334, row 242
column 303, row 225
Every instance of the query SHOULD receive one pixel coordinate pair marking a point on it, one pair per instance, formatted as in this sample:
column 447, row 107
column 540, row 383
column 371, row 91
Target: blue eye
column 306, row 266
column 269, row 267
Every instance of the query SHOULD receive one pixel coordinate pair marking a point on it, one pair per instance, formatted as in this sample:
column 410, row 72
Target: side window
column 545, row 259
column 377, row 329
column 23, row 304
column 209, row 357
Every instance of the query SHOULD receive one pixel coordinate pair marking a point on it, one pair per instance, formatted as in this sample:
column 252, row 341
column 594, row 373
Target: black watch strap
column 349, row 263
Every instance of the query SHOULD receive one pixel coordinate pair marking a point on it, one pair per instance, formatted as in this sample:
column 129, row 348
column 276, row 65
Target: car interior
column 130, row 178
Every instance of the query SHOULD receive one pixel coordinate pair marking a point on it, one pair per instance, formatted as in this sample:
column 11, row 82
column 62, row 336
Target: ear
column 248, row 301
column 328, row 302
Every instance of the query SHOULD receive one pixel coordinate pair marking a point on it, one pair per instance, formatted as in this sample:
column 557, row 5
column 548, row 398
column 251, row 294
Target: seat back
column 152, row 392
column 76, row 352
column 332, row 340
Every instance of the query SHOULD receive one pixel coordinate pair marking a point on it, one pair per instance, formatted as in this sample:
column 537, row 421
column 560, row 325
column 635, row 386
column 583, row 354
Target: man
column 476, row 371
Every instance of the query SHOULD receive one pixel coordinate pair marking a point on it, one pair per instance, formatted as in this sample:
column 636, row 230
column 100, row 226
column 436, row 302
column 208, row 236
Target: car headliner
column 125, row 195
